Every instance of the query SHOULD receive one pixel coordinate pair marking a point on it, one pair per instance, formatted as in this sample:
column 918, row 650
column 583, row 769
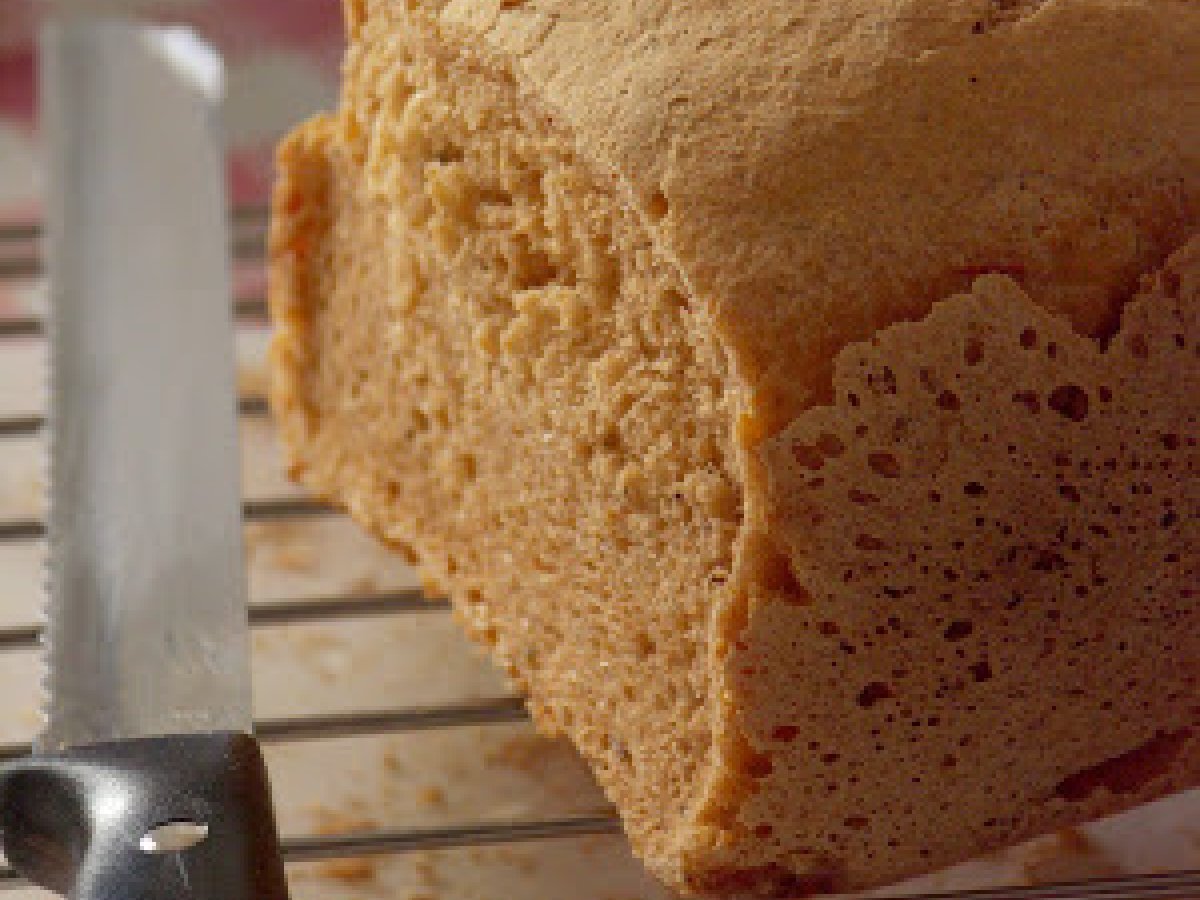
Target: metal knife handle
column 87, row 823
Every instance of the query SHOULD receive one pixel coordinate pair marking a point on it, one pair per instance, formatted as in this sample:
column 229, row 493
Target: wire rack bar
column 20, row 267
column 22, row 327
column 397, row 841
column 20, row 232
column 29, row 424
column 247, row 216
column 253, row 405
column 31, row 265
column 292, row 611
column 247, row 310
column 270, row 509
column 492, row 711
column 391, row 841
column 327, row 609
column 20, row 257
column 13, row 637
column 359, row 723
column 21, row 425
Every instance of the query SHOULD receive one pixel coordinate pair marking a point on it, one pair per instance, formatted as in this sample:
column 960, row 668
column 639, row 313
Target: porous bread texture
column 984, row 617
column 481, row 357
column 684, row 346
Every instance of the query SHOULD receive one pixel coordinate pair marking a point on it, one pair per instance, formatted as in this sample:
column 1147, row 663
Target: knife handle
column 86, row 823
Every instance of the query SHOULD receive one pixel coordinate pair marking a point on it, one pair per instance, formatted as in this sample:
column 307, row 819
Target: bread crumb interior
column 532, row 394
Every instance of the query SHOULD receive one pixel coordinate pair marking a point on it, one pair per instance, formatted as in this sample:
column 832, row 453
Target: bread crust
column 886, row 218
column 819, row 170
column 983, row 548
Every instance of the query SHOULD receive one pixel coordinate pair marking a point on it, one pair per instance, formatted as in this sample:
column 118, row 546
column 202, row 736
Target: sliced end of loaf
column 480, row 355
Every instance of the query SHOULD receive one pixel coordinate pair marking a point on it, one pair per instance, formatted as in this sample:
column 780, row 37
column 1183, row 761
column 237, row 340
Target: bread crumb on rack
column 520, row 860
column 360, row 870
column 425, row 865
column 251, row 380
column 525, row 752
column 364, row 584
column 433, row 796
column 297, row 559
column 283, row 546
column 1067, row 855
column 392, row 762
column 353, row 870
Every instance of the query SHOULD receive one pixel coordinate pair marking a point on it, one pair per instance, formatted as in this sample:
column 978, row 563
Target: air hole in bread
column 657, row 206
column 785, row 733
column 981, row 671
column 948, row 400
column 1070, row 401
column 884, row 464
column 873, row 693
column 973, row 351
column 958, row 630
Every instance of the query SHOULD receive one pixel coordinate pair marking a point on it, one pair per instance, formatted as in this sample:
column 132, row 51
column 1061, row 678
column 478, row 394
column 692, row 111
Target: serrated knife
column 146, row 782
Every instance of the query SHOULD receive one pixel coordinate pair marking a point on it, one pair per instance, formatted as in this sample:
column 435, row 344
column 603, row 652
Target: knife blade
column 146, row 627
column 146, row 782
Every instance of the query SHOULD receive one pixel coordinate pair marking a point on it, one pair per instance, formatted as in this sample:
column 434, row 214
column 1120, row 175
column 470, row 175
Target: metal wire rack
column 20, row 259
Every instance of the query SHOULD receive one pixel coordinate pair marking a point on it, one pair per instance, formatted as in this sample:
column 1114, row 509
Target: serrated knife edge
column 146, row 629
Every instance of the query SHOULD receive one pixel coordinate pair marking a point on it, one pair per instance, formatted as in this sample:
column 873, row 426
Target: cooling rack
column 20, row 260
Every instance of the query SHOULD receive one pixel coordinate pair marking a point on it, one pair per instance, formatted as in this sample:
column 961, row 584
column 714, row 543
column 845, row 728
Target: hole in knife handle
column 172, row 837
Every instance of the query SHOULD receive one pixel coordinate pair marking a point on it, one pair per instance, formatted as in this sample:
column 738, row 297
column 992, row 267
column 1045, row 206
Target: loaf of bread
column 799, row 397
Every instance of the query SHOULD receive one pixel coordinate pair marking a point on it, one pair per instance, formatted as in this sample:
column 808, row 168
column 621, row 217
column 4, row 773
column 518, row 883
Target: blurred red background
column 281, row 57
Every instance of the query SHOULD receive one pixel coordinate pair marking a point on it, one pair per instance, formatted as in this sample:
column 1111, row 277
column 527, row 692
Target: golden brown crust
column 300, row 219
column 801, row 177
column 864, row 159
